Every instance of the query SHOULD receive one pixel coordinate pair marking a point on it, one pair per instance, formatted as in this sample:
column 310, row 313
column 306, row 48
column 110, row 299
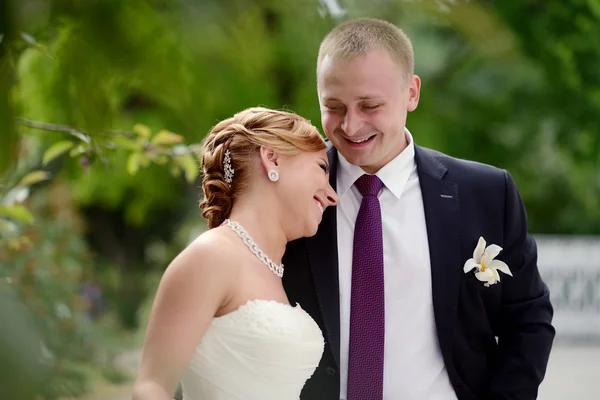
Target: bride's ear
column 269, row 159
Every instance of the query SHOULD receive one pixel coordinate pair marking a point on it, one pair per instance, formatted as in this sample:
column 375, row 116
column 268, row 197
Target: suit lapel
column 322, row 251
column 442, row 216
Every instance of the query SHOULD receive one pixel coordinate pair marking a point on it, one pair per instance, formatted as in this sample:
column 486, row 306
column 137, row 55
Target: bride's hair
column 240, row 138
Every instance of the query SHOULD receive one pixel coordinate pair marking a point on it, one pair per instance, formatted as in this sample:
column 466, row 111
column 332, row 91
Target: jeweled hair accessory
column 227, row 167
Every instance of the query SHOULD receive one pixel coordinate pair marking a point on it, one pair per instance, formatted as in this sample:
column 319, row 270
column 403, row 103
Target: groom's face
column 364, row 102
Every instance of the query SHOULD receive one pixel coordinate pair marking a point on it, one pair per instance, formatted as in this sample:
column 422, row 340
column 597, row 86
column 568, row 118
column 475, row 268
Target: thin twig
column 55, row 127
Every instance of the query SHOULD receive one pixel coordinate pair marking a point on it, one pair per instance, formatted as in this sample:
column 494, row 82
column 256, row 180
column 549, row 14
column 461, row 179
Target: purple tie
column 367, row 306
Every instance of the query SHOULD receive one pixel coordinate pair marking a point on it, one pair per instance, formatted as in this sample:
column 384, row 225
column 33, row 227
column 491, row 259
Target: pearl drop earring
column 273, row 175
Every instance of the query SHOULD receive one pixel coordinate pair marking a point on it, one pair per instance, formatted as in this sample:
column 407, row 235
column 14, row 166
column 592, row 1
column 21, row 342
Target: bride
column 221, row 323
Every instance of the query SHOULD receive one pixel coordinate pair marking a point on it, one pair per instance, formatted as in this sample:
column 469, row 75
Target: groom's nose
column 351, row 123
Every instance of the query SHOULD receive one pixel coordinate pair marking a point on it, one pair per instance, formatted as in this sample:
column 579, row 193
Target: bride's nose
column 331, row 196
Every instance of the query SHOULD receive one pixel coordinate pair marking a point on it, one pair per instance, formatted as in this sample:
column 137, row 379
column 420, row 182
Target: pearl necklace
column 241, row 232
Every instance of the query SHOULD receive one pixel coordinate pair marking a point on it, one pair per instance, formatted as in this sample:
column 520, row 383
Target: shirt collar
column 394, row 174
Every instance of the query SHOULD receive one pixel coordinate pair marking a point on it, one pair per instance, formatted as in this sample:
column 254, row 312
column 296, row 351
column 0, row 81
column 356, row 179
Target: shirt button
column 330, row 371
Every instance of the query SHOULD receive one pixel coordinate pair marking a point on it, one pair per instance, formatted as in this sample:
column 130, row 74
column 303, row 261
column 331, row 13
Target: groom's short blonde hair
column 359, row 36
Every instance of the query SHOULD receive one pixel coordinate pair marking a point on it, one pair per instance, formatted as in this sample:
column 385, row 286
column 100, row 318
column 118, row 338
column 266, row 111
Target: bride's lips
column 319, row 205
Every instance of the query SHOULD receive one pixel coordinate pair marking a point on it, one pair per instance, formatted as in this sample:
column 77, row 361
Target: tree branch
column 194, row 149
column 54, row 127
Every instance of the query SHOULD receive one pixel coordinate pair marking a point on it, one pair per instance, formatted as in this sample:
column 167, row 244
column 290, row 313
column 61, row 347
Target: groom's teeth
column 360, row 141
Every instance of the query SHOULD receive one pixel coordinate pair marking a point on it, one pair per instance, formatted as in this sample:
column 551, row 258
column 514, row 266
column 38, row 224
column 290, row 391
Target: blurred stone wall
column 570, row 265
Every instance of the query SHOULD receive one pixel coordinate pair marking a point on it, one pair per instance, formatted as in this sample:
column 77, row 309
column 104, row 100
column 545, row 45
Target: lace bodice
column 263, row 350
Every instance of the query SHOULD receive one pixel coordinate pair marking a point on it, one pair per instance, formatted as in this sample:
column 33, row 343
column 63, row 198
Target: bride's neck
column 261, row 222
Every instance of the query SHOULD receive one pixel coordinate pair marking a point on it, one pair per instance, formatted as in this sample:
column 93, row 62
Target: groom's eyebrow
column 369, row 97
column 364, row 97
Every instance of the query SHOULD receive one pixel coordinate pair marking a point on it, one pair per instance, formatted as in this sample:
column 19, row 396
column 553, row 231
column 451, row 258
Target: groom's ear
column 269, row 158
column 414, row 93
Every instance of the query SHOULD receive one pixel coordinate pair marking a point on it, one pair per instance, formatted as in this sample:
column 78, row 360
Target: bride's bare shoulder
column 209, row 253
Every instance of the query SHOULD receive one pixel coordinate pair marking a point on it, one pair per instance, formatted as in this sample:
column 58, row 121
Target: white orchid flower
column 483, row 262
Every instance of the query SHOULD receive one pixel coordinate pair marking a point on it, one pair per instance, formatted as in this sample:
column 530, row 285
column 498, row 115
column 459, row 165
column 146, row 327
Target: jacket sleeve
column 525, row 332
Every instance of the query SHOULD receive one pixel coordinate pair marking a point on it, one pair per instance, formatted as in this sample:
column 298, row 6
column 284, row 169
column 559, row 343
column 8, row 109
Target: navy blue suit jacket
column 463, row 200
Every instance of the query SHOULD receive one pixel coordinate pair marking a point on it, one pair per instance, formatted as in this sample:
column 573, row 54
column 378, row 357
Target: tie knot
column 369, row 185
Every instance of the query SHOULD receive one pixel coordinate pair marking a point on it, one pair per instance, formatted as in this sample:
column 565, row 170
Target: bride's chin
column 312, row 231
column 308, row 229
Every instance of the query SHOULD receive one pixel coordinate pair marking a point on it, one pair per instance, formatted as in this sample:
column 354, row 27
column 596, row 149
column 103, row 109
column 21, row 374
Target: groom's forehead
column 377, row 56
column 362, row 71
column 334, row 87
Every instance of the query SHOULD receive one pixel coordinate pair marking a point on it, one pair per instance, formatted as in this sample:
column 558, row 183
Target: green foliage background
column 513, row 83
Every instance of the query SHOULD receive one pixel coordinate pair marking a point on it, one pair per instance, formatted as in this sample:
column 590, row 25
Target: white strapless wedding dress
column 264, row 350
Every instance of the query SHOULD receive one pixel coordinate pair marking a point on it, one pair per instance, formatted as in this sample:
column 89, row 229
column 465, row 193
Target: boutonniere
column 486, row 268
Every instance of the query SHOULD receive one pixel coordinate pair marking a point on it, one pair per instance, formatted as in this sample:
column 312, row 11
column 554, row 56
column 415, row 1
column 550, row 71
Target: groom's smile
column 357, row 143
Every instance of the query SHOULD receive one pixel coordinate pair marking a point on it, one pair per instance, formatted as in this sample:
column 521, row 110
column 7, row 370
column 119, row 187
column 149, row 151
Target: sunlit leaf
column 126, row 143
column 142, row 130
column 189, row 166
column 16, row 195
column 133, row 163
column 16, row 213
column 75, row 151
column 28, row 38
column 165, row 137
column 56, row 150
column 34, row 177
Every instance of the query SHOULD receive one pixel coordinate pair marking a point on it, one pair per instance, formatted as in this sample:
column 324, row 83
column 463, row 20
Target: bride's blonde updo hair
column 241, row 136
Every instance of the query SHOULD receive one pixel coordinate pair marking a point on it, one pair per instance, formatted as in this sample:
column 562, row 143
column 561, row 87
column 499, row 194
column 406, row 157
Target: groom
column 384, row 277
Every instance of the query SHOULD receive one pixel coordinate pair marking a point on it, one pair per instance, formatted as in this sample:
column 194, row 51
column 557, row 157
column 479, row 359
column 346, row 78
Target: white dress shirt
column 413, row 366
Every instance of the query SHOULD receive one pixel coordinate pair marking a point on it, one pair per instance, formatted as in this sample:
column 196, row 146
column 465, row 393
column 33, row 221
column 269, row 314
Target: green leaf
column 75, row 151
column 133, row 163
column 34, row 177
column 126, row 143
column 594, row 7
column 28, row 38
column 17, row 194
column 142, row 130
column 165, row 137
column 189, row 166
column 17, row 213
column 56, row 150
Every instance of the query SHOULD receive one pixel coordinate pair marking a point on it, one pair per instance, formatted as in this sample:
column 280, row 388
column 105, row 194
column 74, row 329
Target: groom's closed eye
column 334, row 108
column 371, row 106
